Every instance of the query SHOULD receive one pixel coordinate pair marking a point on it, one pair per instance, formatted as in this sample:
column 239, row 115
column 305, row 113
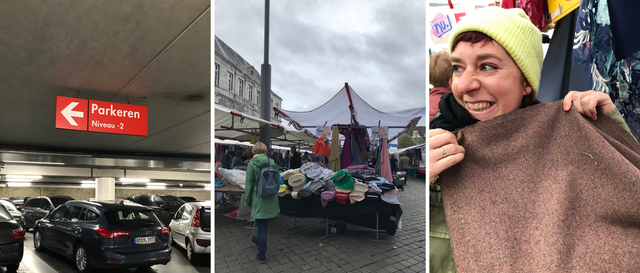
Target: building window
column 240, row 91
column 217, row 80
column 230, row 82
column 250, row 93
column 258, row 97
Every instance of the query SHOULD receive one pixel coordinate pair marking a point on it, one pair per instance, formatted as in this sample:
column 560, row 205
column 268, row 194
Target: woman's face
column 486, row 81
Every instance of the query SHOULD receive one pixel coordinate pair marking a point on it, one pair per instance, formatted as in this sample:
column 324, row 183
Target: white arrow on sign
column 68, row 113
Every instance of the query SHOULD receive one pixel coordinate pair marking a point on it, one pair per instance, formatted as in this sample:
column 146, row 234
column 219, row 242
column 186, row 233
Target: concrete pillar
column 105, row 188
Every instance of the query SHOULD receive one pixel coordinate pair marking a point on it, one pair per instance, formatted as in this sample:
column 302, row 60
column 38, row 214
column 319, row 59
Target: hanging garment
column 355, row 157
column 544, row 190
column 604, row 43
column 385, row 165
column 345, row 156
column 334, row 157
column 319, row 147
column 535, row 10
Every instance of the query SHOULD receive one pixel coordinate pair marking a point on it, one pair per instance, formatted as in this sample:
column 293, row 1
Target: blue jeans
column 261, row 236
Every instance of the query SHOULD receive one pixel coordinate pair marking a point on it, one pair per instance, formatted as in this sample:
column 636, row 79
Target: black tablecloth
column 361, row 213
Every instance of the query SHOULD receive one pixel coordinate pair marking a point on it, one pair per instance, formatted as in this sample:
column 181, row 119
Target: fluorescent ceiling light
column 33, row 162
column 18, row 184
column 156, row 184
column 19, row 180
column 156, row 187
column 88, row 185
column 134, row 180
column 32, row 177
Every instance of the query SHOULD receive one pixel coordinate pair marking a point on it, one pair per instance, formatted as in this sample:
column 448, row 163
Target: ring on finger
column 444, row 153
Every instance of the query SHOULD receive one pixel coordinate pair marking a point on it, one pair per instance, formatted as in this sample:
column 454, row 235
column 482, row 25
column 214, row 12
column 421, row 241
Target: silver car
column 15, row 213
column 191, row 229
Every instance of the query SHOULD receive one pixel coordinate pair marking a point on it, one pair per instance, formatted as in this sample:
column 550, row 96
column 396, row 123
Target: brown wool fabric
column 528, row 197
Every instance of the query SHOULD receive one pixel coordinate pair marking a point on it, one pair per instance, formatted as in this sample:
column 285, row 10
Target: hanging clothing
column 345, row 156
column 321, row 147
column 385, row 164
column 334, row 157
column 605, row 43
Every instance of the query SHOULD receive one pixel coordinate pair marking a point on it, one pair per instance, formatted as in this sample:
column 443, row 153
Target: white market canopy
column 337, row 111
column 233, row 125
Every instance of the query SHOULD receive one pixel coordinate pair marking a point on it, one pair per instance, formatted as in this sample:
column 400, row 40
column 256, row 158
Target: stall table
column 377, row 215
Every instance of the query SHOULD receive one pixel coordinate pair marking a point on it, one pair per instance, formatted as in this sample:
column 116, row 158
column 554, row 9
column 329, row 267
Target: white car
column 191, row 229
column 15, row 213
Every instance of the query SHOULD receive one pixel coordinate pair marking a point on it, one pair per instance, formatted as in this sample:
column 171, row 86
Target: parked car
column 188, row 199
column 191, row 229
column 105, row 234
column 165, row 206
column 37, row 207
column 18, row 202
column 15, row 214
column 11, row 241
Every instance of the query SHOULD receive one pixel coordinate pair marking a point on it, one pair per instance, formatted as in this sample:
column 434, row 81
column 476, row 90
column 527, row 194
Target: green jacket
column 261, row 208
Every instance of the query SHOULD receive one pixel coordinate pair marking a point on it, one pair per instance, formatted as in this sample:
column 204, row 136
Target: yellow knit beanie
column 513, row 30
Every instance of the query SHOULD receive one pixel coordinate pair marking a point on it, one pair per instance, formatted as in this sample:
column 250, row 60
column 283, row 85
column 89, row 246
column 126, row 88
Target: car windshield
column 8, row 205
column 206, row 218
column 4, row 213
column 169, row 200
column 132, row 218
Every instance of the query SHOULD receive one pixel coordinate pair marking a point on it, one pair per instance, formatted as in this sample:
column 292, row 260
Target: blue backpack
column 269, row 183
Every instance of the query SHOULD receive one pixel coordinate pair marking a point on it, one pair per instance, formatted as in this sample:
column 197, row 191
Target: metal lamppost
column 265, row 81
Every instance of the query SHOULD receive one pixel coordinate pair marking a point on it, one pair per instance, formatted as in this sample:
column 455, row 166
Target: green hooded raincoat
column 261, row 208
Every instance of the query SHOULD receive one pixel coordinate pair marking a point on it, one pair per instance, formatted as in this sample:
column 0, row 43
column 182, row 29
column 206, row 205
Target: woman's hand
column 588, row 102
column 439, row 141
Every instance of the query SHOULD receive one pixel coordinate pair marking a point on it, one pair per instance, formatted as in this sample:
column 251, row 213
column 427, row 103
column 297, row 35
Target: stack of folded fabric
column 327, row 196
column 311, row 188
column 391, row 196
column 297, row 182
column 357, row 194
column 343, row 184
column 373, row 194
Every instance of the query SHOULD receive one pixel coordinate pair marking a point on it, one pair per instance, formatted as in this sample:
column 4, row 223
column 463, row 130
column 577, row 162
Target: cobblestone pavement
column 299, row 250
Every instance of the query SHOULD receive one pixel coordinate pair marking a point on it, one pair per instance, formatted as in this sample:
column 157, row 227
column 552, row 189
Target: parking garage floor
column 49, row 262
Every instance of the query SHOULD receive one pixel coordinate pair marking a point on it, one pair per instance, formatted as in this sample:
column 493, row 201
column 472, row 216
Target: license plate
column 144, row 240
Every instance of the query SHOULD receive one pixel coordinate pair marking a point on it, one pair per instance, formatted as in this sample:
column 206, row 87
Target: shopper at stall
column 287, row 157
column 225, row 159
column 262, row 209
column 247, row 156
column 439, row 76
column 296, row 161
column 237, row 159
column 405, row 163
column 496, row 58
column 394, row 164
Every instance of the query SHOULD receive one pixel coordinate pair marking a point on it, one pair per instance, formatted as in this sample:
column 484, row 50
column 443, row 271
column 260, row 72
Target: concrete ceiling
column 150, row 53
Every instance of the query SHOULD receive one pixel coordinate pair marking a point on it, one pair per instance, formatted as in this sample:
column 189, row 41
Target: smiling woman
column 496, row 57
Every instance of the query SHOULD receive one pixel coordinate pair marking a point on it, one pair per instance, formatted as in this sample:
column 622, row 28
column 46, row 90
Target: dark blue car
column 107, row 234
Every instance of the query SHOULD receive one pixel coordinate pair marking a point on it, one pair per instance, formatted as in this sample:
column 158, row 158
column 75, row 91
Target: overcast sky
column 377, row 46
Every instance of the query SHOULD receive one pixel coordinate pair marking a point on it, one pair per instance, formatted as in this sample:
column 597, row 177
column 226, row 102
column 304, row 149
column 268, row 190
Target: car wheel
column 12, row 267
column 191, row 256
column 37, row 240
column 81, row 260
